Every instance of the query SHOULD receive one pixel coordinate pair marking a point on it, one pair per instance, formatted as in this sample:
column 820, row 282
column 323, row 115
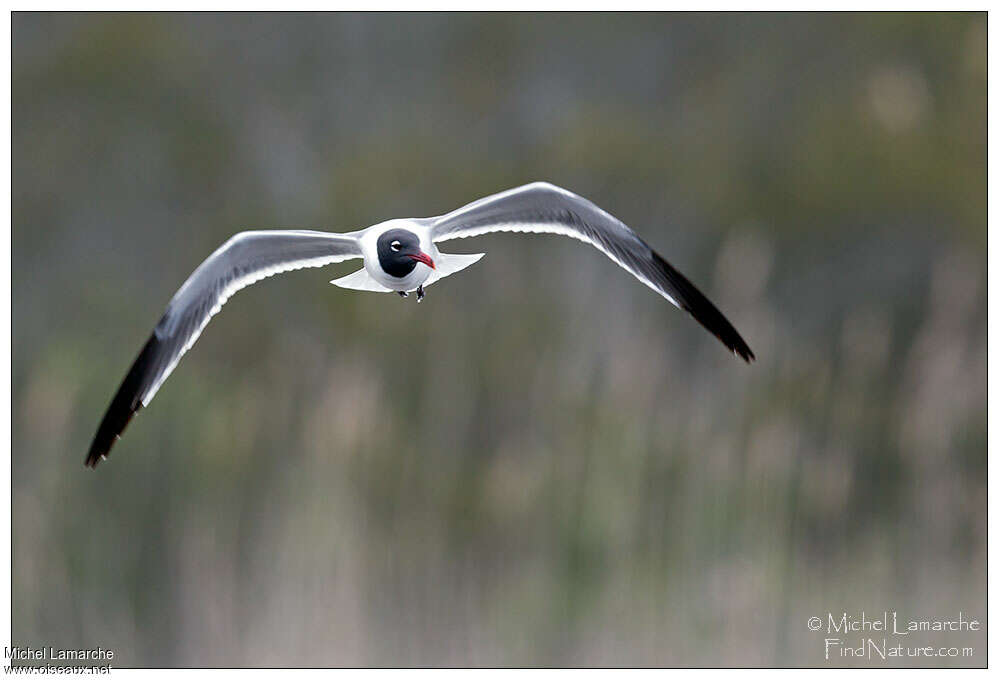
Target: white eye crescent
column 396, row 246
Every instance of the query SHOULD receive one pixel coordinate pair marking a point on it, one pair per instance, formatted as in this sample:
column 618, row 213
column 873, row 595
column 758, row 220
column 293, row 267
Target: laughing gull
column 400, row 256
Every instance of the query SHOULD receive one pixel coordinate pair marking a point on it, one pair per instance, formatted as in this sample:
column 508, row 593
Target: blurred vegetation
column 543, row 463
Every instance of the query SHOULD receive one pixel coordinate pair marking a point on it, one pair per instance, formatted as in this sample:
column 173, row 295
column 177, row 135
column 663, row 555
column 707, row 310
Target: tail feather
column 449, row 264
column 360, row 280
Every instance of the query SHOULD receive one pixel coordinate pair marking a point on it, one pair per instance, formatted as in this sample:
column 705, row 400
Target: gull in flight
column 400, row 256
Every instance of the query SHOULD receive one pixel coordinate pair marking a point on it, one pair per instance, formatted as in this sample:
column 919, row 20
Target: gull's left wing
column 547, row 209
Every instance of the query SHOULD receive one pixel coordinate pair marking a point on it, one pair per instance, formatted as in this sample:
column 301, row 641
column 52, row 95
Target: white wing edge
column 556, row 230
column 231, row 289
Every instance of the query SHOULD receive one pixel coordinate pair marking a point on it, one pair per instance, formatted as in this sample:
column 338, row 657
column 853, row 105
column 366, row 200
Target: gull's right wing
column 242, row 260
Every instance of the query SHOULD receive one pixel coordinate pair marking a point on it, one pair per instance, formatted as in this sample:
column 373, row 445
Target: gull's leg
column 419, row 293
column 402, row 293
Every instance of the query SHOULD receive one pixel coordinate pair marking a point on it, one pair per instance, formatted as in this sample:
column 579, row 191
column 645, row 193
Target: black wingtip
column 698, row 306
column 114, row 423
column 715, row 321
column 106, row 436
column 126, row 403
column 727, row 334
column 746, row 353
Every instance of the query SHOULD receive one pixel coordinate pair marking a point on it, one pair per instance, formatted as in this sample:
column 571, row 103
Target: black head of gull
column 399, row 252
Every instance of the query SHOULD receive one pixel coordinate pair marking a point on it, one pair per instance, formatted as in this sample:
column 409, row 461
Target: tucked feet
column 402, row 293
column 419, row 293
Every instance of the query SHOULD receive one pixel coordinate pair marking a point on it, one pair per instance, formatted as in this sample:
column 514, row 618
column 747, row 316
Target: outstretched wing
column 547, row 209
column 244, row 259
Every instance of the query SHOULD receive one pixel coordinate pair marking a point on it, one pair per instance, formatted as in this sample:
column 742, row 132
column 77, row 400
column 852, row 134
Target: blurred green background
column 544, row 463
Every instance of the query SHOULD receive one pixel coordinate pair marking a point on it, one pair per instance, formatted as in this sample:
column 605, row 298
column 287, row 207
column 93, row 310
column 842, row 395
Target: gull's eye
column 396, row 246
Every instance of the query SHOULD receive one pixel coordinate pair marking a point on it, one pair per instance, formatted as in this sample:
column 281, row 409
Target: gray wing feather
column 242, row 260
column 545, row 208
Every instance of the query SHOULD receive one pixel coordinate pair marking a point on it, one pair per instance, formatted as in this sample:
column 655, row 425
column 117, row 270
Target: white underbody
column 373, row 278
